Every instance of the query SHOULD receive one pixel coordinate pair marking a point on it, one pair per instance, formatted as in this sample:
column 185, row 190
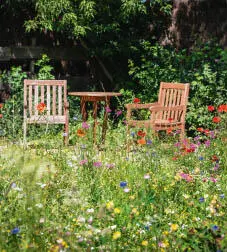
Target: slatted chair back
column 52, row 93
column 170, row 96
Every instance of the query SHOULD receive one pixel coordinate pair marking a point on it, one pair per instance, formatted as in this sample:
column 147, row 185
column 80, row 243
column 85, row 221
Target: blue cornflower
column 215, row 228
column 201, row 200
column 147, row 227
column 15, row 230
column 75, row 118
column 132, row 134
column 201, row 158
column 222, row 196
column 149, row 142
column 123, row 184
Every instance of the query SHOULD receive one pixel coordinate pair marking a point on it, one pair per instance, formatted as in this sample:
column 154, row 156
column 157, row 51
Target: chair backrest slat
column 42, row 94
column 48, row 100
column 30, row 100
column 53, row 93
column 170, row 95
column 59, row 100
column 54, row 100
column 36, row 99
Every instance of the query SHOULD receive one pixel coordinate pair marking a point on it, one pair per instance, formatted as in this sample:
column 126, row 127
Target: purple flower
column 97, row 164
column 149, row 142
column 178, row 144
column 177, row 132
column 198, row 143
column 118, row 113
column 212, row 179
column 207, row 143
column 201, row 200
column 196, row 138
column 216, row 166
column 215, row 228
column 123, row 184
column 110, row 166
column 15, row 230
column 212, row 134
column 108, row 110
column 85, row 125
column 82, row 162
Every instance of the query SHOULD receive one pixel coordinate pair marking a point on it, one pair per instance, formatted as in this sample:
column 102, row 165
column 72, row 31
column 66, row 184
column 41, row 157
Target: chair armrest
column 162, row 108
column 139, row 105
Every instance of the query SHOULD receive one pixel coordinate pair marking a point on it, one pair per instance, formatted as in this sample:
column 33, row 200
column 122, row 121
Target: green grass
column 173, row 200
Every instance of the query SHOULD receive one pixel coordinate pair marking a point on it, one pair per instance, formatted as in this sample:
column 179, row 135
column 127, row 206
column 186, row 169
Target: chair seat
column 157, row 123
column 47, row 119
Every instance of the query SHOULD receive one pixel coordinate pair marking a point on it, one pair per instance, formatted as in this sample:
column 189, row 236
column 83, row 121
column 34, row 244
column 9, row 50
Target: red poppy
column 1, row 115
column 206, row 131
column 141, row 133
column 200, row 129
column 80, row 133
column 141, row 141
column 222, row 108
column 136, row 100
column 189, row 150
column 210, row 108
column 41, row 107
column 169, row 131
column 170, row 119
column 1, row 105
column 215, row 158
column 216, row 119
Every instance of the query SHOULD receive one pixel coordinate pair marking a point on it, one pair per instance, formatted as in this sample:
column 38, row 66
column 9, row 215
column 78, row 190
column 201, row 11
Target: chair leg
column 182, row 133
column 25, row 133
column 127, row 137
column 66, row 133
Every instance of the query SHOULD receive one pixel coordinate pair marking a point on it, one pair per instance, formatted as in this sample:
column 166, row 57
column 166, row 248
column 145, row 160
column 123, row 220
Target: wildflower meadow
column 164, row 194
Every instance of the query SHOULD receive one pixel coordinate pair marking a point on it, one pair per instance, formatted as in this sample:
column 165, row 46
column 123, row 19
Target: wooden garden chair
column 45, row 101
column 166, row 114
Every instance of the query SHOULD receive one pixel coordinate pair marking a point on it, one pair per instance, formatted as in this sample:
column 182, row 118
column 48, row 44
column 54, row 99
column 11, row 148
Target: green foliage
column 11, row 122
column 45, row 69
column 204, row 68
column 12, row 111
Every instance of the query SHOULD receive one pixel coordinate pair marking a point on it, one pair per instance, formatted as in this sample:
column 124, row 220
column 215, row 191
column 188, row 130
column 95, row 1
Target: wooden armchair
column 45, row 101
column 166, row 114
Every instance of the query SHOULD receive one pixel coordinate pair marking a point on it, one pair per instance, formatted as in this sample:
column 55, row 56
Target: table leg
column 83, row 109
column 95, row 107
column 105, row 119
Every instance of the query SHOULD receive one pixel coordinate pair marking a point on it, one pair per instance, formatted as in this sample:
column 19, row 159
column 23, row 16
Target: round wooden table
column 95, row 97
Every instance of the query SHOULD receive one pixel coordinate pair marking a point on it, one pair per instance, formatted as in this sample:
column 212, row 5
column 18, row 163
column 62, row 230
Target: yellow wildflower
column 144, row 243
column 135, row 211
column 132, row 197
column 174, row 227
column 117, row 210
column 110, row 205
column 116, row 235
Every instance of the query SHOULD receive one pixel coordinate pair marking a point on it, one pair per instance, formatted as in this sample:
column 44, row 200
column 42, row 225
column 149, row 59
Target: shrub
column 12, row 111
column 204, row 68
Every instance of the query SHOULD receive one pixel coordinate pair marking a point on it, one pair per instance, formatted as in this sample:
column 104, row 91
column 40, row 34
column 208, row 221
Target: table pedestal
column 95, row 97
column 95, row 101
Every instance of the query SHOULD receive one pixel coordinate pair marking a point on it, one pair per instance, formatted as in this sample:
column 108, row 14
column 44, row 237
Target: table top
column 96, row 94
